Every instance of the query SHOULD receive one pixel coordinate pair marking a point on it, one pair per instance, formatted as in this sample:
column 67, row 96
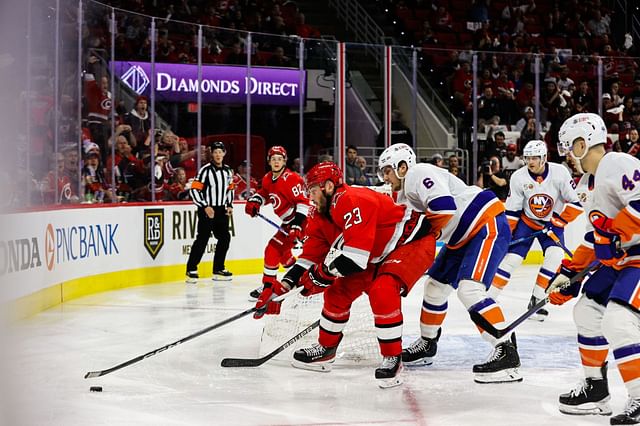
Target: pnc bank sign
column 61, row 245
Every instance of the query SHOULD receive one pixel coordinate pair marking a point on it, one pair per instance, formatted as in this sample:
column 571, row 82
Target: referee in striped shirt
column 212, row 192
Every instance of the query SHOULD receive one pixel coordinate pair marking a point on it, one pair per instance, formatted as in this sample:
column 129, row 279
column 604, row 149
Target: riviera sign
column 219, row 83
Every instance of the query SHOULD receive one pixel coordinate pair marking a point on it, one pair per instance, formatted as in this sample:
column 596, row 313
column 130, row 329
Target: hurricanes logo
column 105, row 104
column 275, row 200
column 540, row 205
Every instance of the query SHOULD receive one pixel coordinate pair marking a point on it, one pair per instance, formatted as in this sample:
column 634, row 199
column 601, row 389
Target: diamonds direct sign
column 219, row 83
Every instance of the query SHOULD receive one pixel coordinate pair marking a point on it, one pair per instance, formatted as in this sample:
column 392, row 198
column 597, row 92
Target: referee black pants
column 219, row 225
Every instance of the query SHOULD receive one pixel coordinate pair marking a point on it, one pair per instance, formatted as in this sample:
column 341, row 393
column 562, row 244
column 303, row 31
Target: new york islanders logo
column 540, row 205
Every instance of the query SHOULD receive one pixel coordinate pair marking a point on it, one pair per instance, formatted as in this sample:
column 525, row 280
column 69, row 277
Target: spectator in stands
column 479, row 11
column 583, row 99
column 454, row 167
column 635, row 93
column 296, row 166
column 635, row 117
column 564, row 81
column 241, row 191
column 361, row 162
column 353, row 174
column 551, row 100
column 178, row 186
column 506, row 97
column 304, row 30
column 437, row 160
column 634, row 138
column 613, row 116
column 188, row 158
column 442, row 20
column 487, row 107
column 61, row 191
column 71, row 164
column 599, row 25
column 530, row 132
column 525, row 96
column 139, row 120
column 495, row 146
column 614, row 90
column 492, row 177
column 522, row 123
column 96, row 187
column 278, row 59
column 511, row 162
column 399, row 132
column 98, row 102
column 236, row 56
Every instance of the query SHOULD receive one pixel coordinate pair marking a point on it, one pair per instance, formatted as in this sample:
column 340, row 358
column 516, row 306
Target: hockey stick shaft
column 483, row 323
column 92, row 374
column 256, row 362
column 272, row 223
column 557, row 241
column 528, row 237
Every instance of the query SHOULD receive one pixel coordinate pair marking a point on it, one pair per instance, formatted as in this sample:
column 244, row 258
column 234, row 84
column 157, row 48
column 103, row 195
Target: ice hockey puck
column 95, row 388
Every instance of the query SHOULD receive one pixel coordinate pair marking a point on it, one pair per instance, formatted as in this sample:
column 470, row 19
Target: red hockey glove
column 264, row 304
column 315, row 281
column 253, row 205
column 295, row 233
column 606, row 242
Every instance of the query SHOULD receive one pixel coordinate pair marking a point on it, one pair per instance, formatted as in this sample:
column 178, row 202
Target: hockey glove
column 295, row 233
column 558, row 221
column 253, row 205
column 265, row 304
column 315, row 281
column 561, row 290
column 606, row 242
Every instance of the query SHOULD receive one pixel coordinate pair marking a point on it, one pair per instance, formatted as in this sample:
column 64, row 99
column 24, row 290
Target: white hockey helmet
column 535, row 148
column 587, row 126
column 394, row 155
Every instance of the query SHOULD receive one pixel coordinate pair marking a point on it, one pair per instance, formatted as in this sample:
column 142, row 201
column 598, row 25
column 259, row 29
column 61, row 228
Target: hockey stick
column 549, row 233
column 99, row 373
column 528, row 237
column 279, row 228
column 256, row 362
column 482, row 322
column 272, row 223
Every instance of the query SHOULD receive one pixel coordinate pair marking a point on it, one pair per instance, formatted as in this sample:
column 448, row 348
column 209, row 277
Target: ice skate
column 630, row 415
column 191, row 277
column 422, row 351
column 388, row 374
column 502, row 366
column 222, row 275
column 315, row 358
column 541, row 314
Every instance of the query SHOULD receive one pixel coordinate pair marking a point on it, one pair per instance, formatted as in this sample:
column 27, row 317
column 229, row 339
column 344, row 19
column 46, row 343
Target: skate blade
column 422, row 362
column 322, row 367
column 504, row 376
column 221, row 278
column 601, row 408
column 389, row 383
column 537, row 317
column 191, row 280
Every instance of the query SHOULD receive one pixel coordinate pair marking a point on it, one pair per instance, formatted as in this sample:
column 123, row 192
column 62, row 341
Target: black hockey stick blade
column 483, row 323
column 99, row 373
column 256, row 362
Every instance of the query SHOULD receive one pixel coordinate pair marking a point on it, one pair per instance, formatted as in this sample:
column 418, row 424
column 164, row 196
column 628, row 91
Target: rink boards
column 48, row 257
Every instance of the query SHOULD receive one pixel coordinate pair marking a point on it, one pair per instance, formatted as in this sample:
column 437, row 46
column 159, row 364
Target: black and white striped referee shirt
column 213, row 186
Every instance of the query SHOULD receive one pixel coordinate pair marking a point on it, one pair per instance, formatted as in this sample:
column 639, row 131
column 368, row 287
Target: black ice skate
column 502, row 366
column 192, row 277
column 388, row 374
column 254, row 294
column 422, row 351
column 630, row 415
column 222, row 275
column 315, row 358
column 541, row 314
column 591, row 396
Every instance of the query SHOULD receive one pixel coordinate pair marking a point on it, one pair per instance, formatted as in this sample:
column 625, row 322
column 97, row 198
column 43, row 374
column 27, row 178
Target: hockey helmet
column 535, row 148
column 322, row 172
column 587, row 126
column 217, row 145
column 277, row 150
column 394, row 155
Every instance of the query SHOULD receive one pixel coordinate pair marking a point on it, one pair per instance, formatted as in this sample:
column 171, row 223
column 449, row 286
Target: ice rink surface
column 185, row 385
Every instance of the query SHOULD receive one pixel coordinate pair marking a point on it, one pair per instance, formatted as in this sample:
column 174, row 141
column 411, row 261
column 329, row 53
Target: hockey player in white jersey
column 475, row 230
column 607, row 313
column 542, row 197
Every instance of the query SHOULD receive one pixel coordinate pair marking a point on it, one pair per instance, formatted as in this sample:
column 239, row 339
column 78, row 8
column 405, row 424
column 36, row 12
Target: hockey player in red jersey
column 284, row 190
column 358, row 241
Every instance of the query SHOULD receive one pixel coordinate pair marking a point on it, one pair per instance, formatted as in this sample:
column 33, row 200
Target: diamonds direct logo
column 136, row 79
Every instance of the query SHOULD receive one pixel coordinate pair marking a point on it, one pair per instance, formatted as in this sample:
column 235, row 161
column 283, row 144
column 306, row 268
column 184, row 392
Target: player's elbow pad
column 345, row 266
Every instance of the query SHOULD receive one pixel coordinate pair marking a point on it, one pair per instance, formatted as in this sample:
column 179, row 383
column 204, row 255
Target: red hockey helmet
column 322, row 172
column 277, row 150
